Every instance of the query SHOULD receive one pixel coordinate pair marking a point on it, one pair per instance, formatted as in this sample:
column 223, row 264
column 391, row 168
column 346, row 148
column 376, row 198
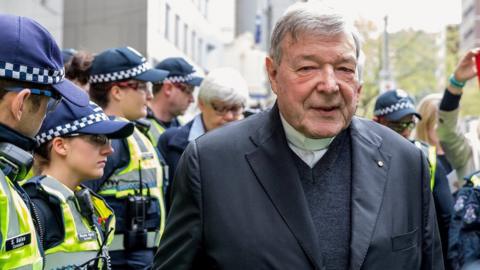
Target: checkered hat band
column 393, row 108
column 70, row 127
column 119, row 75
column 180, row 79
column 31, row 74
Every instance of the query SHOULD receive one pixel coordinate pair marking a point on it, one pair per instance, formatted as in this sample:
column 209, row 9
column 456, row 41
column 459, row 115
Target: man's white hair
column 226, row 85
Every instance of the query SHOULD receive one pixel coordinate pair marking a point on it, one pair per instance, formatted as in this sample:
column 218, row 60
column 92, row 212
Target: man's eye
column 346, row 69
column 306, row 68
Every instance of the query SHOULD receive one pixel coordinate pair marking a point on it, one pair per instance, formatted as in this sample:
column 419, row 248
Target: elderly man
column 222, row 97
column 305, row 185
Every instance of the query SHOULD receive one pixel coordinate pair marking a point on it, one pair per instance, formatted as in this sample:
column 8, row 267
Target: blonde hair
column 428, row 109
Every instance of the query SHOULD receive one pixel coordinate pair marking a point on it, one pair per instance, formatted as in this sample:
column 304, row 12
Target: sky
column 428, row 15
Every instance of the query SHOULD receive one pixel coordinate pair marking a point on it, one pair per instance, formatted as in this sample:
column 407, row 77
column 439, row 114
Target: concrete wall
column 48, row 13
column 97, row 25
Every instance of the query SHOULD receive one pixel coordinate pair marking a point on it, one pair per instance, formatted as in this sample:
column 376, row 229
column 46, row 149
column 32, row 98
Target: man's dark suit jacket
column 171, row 145
column 238, row 203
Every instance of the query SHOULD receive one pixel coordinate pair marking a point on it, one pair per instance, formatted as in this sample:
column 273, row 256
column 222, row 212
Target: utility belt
column 152, row 241
column 138, row 234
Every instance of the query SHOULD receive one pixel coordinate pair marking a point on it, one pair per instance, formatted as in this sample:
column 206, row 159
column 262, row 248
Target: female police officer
column 74, row 223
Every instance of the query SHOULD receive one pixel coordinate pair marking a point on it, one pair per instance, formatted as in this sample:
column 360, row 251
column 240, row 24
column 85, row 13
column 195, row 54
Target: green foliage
column 414, row 60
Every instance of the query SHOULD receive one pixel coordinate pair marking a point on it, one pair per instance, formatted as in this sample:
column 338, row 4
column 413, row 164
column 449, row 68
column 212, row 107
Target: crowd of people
column 99, row 170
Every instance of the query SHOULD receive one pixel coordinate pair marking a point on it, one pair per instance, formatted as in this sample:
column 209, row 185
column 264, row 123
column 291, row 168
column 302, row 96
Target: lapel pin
column 380, row 163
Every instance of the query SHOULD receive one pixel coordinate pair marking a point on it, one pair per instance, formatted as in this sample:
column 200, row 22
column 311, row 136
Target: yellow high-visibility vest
column 143, row 163
column 82, row 241
column 19, row 243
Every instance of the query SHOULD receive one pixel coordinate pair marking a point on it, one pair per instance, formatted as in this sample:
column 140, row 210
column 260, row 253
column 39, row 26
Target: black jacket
column 238, row 203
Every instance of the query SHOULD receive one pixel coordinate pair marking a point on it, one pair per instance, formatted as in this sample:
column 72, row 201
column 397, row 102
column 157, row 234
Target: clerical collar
column 299, row 140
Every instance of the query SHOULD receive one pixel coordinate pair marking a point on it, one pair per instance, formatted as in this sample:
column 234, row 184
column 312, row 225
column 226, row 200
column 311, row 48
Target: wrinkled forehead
column 293, row 38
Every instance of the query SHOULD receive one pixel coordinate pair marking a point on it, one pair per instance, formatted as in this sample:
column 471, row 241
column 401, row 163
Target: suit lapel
column 274, row 167
column 369, row 176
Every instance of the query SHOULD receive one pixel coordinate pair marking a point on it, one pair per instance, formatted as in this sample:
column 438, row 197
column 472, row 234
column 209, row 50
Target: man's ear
column 271, row 72
column 167, row 88
column 18, row 104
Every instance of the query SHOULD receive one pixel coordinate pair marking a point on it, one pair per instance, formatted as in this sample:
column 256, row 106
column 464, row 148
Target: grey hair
column 226, row 85
column 313, row 18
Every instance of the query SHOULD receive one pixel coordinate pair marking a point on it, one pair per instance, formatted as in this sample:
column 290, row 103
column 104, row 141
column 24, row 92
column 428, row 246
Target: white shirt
column 309, row 150
column 197, row 128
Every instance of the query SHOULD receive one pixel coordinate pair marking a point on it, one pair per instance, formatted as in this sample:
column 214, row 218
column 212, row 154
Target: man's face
column 33, row 116
column 316, row 83
column 217, row 113
column 180, row 98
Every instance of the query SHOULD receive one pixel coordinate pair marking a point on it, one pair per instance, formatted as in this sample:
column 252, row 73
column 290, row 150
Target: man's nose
column 327, row 81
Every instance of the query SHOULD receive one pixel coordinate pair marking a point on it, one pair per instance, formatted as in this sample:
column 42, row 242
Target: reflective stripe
column 153, row 240
column 13, row 225
column 141, row 144
column 65, row 259
column 69, row 198
column 17, row 226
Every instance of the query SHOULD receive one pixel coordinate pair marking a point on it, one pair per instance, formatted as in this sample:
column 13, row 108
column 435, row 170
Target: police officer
column 31, row 83
column 396, row 110
column 132, row 182
column 172, row 96
column 75, row 224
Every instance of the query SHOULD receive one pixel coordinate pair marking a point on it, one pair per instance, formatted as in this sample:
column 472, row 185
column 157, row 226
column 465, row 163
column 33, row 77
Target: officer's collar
column 10, row 135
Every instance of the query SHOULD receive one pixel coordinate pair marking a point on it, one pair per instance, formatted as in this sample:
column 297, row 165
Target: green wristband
column 455, row 83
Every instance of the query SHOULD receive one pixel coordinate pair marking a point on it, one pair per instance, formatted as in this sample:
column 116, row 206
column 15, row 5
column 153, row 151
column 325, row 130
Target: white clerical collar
column 299, row 140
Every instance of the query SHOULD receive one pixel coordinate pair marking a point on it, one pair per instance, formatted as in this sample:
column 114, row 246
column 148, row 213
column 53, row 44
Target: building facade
column 470, row 26
column 158, row 29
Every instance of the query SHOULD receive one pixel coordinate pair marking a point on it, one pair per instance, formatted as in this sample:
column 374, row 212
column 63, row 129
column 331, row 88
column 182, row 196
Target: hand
column 466, row 68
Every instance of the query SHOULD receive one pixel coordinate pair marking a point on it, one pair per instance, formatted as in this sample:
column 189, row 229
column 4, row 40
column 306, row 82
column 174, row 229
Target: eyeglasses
column 401, row 126
column 223, row 110
column 94, row 139
column 54, row 97
column 137, row 86
column 186, row 88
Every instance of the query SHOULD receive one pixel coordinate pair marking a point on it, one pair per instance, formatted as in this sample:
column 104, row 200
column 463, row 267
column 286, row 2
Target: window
column 205, row 9
column 185, row 38
column 177, row 31
column 193, row 48
column 167, row 19
column 200, row 51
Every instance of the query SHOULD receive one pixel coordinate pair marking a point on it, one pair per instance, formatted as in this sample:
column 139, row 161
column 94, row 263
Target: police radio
column 136, row 234
column 14, row 161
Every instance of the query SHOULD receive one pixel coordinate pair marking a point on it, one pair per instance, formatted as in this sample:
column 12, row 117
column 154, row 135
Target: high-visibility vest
column 125, row 181
column 155, row 131
column 431, row 154
column 83, row 241
column 19, row 247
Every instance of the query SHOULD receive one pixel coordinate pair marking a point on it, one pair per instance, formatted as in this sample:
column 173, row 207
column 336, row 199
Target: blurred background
column 412, row 45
